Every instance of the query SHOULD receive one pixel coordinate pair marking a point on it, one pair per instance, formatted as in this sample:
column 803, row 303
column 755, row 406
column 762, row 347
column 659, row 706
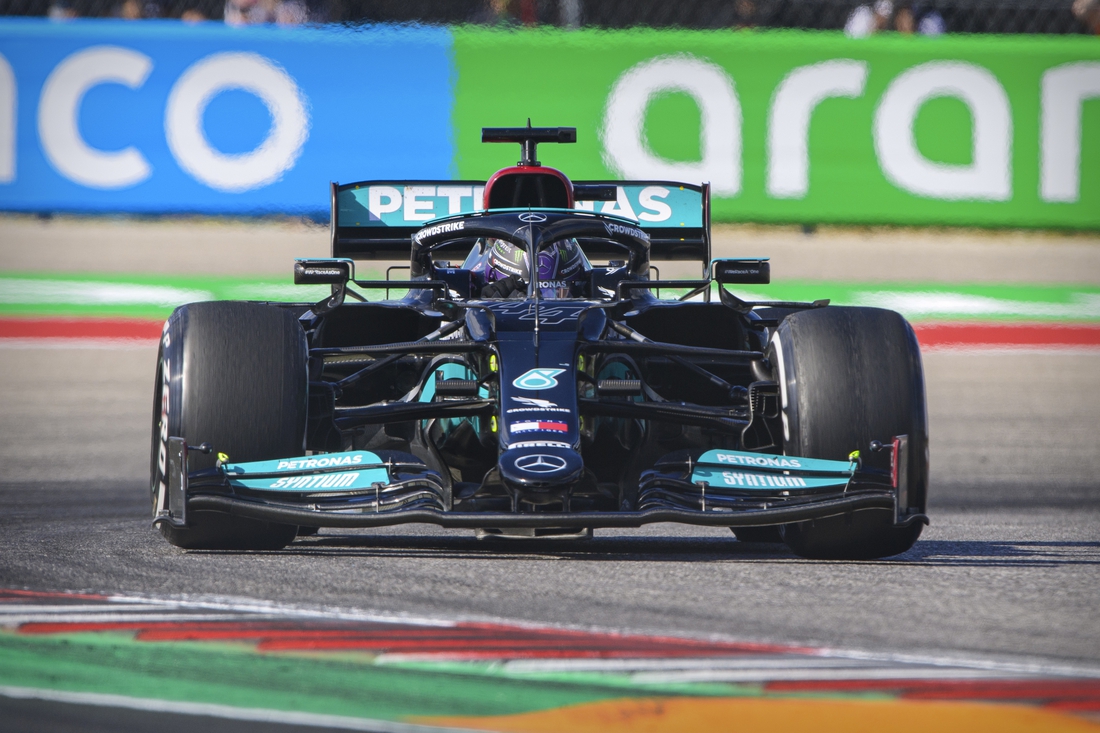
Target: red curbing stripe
column 80, row 328
column 932, row 335
column 1076, row 706
column 1007, row 335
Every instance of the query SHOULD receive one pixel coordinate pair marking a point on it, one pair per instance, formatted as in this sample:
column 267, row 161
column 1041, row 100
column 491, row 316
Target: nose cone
column 540, row 467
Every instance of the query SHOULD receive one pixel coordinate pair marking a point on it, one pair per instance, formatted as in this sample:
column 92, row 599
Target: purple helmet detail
column 561, row 266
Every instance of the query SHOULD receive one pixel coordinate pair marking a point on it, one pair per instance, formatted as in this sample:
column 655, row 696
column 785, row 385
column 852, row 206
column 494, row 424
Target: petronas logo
column 538, row 379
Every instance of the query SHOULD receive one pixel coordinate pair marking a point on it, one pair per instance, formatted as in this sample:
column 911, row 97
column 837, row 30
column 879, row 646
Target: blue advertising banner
column 160, row 116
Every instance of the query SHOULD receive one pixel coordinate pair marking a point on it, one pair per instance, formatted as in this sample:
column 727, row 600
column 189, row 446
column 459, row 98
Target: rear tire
column 851, row 376
column 233, row 375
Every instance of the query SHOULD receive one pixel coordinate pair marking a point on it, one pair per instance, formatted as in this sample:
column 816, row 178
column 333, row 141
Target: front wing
column 359, row 489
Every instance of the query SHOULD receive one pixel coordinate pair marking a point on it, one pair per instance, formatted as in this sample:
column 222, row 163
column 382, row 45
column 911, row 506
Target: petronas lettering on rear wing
column 376, row 219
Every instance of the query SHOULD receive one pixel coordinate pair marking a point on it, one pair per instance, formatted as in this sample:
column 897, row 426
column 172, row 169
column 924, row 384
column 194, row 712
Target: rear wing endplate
column 375, row 220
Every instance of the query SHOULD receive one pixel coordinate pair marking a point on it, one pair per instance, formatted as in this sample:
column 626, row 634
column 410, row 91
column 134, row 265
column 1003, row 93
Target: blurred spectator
column 192, row 15
column 528, row 12
column 494, row 13
column 931, row 24
column 864, row 21
column 136, row 10
column 61, row 10
column 249, row 12
column 746, row 13
column 291, row 12
column 1088, row 12
column 905, row 19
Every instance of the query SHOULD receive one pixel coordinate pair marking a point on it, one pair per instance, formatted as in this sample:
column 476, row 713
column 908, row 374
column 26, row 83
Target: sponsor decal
column 523, row 427
column 534, row 405
column 316, row 481
column 532, row 217
column 509, row 268
column 555, row 314
column 323, row 271
column 745, row 480
column 769, row 461
column 535, row 402
column 540, row 463
column 541, row 444
column 303, row 464
column 555, row 283
column 450, row 226
column 623, row 230
column 549, row 315
column 536, row 379
column 162, row 443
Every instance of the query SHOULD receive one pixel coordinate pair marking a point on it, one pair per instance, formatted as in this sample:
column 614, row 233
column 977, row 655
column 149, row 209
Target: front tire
column 850, row 376
column 233, row 375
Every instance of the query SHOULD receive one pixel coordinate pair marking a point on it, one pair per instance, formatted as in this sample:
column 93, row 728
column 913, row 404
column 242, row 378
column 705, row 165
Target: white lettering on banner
column 303, row 464
column 988, row 177
column 733, row 478
column 613, row 229
column 316, row 481
column 792, row 105
column 712, row 89
column 649, row 199
column 620, row 206
column 375, row 205
column 454, row 196
column 250, row 72
column 451, row 226
column 59, row 117
column 1065, row 88
column 770, row 461
column 7, row 121
column 417, row 209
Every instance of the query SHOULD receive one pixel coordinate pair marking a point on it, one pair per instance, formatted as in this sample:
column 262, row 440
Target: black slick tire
column 850, row 376
column 233, row 375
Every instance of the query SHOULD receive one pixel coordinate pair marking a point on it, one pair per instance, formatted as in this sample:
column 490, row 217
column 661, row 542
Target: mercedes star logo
column 532, row 218
column 540, row 463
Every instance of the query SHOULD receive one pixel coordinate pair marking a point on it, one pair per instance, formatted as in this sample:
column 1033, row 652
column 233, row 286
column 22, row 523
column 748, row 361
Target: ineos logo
column 532, row 218
column 540, row 463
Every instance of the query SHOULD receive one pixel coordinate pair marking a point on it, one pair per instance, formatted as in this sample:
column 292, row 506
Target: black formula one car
column 541, row 386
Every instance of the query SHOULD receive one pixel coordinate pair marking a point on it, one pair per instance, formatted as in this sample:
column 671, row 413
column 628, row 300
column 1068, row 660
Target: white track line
column 228, row 712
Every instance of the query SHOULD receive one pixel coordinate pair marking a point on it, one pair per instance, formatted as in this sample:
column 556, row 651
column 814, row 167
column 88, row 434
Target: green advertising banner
column 793, row 126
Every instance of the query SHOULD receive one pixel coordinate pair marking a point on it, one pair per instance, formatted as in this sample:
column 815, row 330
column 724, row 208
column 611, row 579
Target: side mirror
column 729, row 272
column 323, row 271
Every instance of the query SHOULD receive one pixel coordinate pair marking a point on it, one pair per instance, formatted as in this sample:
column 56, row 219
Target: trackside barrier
column 787, row 126
column 159, row 116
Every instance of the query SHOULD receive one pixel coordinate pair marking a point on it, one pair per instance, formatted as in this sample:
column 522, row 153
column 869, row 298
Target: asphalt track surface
column 1007, row 571
column 1008, row 567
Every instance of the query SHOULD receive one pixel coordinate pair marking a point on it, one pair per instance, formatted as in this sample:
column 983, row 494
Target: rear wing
column 375, row 220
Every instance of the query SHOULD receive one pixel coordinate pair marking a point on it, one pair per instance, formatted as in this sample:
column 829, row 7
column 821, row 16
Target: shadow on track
column 929, row 553
column 614, row 549
column 994, row 553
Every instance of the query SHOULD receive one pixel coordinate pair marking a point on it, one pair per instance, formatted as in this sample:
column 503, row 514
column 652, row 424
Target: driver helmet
column 563, row 268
